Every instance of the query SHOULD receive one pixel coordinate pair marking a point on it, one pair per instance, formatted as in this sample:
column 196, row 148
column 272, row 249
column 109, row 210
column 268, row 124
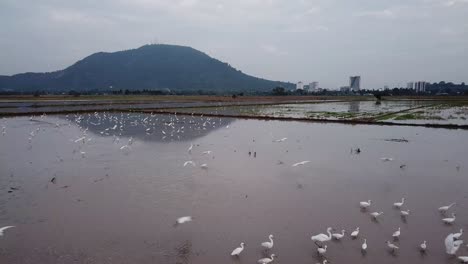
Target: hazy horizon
column 385, row 42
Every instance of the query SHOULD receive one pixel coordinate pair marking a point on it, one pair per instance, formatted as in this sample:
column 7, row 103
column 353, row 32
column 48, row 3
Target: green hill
column 154, row 67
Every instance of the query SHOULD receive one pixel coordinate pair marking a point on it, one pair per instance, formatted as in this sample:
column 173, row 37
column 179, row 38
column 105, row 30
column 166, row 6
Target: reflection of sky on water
column 148, row 127
column 354, row 106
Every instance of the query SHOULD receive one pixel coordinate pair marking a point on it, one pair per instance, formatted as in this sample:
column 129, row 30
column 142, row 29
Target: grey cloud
column 387, row 42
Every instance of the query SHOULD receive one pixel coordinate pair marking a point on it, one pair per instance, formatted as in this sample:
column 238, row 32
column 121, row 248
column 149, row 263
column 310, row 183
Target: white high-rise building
column 410, row 85
column 420, row 86
column 299, row 86
column 313, row 87
column 355, row 83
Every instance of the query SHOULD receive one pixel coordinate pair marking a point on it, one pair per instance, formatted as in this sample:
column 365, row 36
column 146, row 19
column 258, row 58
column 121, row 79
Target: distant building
column 420, row 86
column 355, row 83
column 345, row 89
column 299, row 86
column 410, row 85
column 313, row 87
column 386, row 87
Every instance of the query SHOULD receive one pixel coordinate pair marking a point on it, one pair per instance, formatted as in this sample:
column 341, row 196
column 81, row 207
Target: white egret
column 190, row 149
column 301, row 163
column 322, row 250
column 266, row 260
column 458, row 235
column 444, row 209
column 423, row 246
column 365, row 204
column 386, row 159
column 82, row 139
column 184, row 219
column 204, row 166
column 399, row 204
column 322, row 237
column 463, row 259
column 376, row 214
column 391, row 246
column 268, row 244
column 449, row 220
column 456, row 246
column 339, row 236
column 451, row 245
column 4, row 228
column 397, row 233
column 189, row 162
column 355, row 233
column 280, row 140
column 238, row 250
column 405, row 213
column 364, row 245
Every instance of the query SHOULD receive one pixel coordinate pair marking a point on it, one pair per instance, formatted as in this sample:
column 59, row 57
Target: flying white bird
column 449, row 220
column 280, row 140
column 364, row 245
column 365, row 204
column 238, row 250
column 397, row 233
column 399, row 204
column 386, row 159
column 355, row 233
column 444, row 209
column 184, row 219
column 423, row 246
column 376, row 214
column 322, row 237
column 458, row 235
column 451, row 245
column 301, row 163
column 268, row 244
column 206, row 152
column 391, row 246
column 4, row 228
column 322, row 250
column 455, row 247
column 204, row 166
column 339, row 236
column 266, row 260
column 189, row 162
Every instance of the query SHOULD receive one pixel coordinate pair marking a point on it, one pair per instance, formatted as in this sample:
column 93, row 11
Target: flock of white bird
column 452, row 241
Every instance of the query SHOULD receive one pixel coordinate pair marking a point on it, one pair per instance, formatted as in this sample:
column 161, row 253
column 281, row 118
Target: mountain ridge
column 151, row 67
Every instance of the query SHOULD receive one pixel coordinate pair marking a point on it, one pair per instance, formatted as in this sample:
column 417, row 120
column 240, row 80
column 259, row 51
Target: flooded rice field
column 397, row 111
column 108, row 188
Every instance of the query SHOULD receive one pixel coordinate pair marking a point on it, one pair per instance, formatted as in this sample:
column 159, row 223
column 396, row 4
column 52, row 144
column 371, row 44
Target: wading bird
column 399, row 204
column 365, row 204
column 238, row 250
column 266, row 260
column 355, row 233
column 268, row 244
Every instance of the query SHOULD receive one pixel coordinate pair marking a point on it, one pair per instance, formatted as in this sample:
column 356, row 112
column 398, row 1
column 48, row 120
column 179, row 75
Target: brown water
column 115, row 206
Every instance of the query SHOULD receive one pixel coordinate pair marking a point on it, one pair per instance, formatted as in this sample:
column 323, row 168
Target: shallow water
column 119, row 206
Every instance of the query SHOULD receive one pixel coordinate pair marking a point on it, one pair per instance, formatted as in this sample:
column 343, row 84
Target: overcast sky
column 386, row 42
